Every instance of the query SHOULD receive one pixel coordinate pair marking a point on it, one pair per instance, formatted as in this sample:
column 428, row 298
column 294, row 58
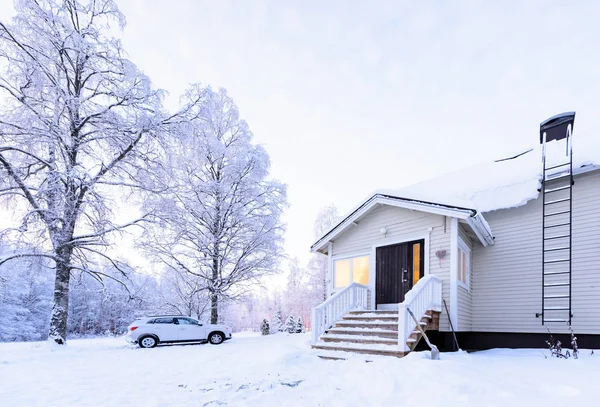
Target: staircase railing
column 424, row 296
column 354, row 296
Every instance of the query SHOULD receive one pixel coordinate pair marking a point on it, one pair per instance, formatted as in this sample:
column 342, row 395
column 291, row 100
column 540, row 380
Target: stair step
column 374, row 312
column 555, row 320
column 375, row 349
column 556, row 309
column 555, row 297
column 359, row 339
column 392, row 326
column 383, row 333
column 372, row 317
column 556, row 213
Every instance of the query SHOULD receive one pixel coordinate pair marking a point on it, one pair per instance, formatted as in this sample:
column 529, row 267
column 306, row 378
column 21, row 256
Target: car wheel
column 148, row 342
column 216, row 338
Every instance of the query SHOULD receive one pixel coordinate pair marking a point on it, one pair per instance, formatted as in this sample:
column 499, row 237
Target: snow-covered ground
column 281, row 370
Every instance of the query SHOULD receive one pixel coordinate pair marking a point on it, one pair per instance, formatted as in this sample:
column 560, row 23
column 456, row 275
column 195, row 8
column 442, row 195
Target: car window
column 163, row 321
column 187, row 321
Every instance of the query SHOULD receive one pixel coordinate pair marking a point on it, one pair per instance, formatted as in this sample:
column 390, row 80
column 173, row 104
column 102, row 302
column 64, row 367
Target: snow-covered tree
column 299, row 325
column 25, row 299
column 290, row 324
column 221, row 221
column 278, row 322
column 78, row 122
column 264, row 327
column 317, row 266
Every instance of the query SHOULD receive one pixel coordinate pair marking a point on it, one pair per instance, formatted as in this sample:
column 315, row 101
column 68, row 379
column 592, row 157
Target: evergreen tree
column 299, row 326
column 264, row 327
column 290, row 324
column 278, row 323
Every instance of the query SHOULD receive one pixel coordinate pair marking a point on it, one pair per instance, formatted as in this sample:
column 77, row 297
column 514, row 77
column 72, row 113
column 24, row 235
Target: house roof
column 468, row 193
column 504, row 183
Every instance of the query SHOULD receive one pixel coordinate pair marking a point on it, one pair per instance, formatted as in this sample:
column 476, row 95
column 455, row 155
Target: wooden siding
column 401, row 223
column 506, row 283
column 465, row 320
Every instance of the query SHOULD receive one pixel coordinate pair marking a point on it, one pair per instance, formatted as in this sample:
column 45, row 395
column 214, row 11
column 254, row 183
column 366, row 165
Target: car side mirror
column 199, row 323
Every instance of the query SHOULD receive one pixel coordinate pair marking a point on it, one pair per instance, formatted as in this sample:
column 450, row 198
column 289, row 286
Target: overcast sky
column 349, row 97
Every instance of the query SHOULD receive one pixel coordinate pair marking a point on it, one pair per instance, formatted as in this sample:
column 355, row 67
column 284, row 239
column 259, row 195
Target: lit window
column 355, row 269
column 342, row 273
column 464, row 265
column 416, row 262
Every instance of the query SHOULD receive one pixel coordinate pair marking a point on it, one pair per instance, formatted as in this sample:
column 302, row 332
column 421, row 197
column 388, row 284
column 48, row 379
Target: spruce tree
column 299, row 326
column 278, row 323
column 290, row 324
column 264, row 327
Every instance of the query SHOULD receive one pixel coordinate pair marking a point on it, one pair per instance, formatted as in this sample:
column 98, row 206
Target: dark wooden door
column 397, row 267
column 391, row 263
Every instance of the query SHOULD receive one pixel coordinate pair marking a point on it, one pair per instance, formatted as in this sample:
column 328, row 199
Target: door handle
column 404, row 280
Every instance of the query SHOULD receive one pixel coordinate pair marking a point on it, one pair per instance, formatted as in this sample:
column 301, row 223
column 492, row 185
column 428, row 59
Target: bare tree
column 222, row 221
column 77, row 120
column 317, row 265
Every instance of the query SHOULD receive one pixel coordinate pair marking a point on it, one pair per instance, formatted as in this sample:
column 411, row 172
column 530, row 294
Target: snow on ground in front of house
column 282, row 370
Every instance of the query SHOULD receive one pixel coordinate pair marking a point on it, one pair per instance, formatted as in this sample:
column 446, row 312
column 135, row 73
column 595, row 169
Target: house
column 490, row 252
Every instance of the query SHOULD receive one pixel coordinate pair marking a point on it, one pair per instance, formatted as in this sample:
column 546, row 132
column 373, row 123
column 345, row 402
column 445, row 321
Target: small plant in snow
column 555, row 346
column 574, row 343
column 299, row 326
column 278, row 322
column 290, row 324
column 264, row 327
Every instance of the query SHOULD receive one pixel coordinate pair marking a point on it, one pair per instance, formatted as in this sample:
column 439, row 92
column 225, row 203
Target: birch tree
column 77, row 120
column 221, row 223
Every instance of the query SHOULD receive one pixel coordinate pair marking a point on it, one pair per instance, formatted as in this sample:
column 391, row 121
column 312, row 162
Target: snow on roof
column 501, row 184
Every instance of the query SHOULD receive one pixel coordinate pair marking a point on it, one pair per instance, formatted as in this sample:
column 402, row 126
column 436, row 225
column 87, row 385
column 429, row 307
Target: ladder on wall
column 557, row 207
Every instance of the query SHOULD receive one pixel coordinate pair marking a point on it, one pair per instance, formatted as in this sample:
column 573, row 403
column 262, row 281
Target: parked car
column 150, row 331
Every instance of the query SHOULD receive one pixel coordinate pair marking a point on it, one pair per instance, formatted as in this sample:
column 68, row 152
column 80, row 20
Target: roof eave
column 478, row 225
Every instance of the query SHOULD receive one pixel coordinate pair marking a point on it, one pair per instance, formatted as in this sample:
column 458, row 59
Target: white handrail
column 354, row 296
column 424, row 296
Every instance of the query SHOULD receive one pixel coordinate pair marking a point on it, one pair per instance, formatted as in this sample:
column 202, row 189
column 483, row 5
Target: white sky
column 348, row 98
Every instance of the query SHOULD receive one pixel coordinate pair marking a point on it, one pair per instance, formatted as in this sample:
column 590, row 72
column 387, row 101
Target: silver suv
column 150, row 331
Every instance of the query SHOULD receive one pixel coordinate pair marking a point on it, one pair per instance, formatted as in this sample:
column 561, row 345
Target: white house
column 507, row 255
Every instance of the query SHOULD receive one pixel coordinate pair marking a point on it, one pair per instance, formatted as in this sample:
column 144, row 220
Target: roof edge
column 409, row 203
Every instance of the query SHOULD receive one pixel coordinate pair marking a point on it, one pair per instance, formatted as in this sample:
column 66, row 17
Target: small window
column 464, row 265
column 187, row 321
column 355, row 269
column 163, row 321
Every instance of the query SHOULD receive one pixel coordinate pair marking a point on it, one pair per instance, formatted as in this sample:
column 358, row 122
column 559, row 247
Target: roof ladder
column 557, row 218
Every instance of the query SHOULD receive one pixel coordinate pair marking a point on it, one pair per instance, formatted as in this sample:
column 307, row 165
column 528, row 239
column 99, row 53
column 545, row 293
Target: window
column 464, row 265
column 187, row 321
column 355, row 269
column 163, row 321
column 416, row 256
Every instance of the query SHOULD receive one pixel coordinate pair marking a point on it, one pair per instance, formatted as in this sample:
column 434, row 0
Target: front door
column 398, row 268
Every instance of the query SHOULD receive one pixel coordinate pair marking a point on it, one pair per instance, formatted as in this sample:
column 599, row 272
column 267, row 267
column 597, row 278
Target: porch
column 346, row 322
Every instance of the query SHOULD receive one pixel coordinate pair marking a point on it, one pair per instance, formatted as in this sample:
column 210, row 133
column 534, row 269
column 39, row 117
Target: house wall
column 400, row 223
column 465, row 317
column 506, row 284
